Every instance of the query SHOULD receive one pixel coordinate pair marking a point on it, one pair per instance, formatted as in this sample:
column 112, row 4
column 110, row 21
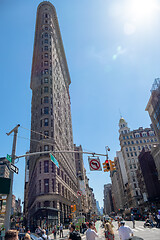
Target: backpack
column 77, row 235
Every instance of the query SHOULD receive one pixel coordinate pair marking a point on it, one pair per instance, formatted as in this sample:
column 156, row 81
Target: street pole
column 9, row 197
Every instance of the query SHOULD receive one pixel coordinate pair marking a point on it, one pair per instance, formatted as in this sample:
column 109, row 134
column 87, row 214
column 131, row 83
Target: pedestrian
column 38, row 231
column 74, row 235
column 11, row 235
column 133, row 221
column 125, row 232
column 158, row 220
column 54, row 231
column 43, row 235
column 91, row 232
column 27, row 237
column 61, row 230
column 151, row 219
column 109, row 234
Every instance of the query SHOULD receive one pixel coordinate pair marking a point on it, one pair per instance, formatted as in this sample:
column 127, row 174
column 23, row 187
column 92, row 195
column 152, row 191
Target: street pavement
column 139, row 231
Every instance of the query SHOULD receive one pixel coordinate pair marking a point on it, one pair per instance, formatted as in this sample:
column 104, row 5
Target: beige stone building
column 51, row 190
column 132, row 142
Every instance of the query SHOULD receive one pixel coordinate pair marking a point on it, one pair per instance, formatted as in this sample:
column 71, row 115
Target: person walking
column 133, row 221
column 91, row 232
column 125, row 232
column 43, row 235
column 109, row 234
column 54, row 231
column 74, row 235
column 158, row 220
column 61, row 230
column 151, row 219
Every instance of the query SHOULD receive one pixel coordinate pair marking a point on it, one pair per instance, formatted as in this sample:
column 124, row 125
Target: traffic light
column 106, row 166
column 112, row 165
column 73, row 208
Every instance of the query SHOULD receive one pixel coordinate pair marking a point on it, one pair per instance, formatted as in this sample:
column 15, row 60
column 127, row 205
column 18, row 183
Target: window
column 46, row 48
column 51, row 90
column 46, row 166
column 53, row 167
column 46, row 55
column 45, row 40
column 39, row 186
column 46, row 71
column 45, row 89
column 62, row 191
column 46, row 148
column 46, row 63
column 144, row 140
column 140, row 141
column 51, row 111
column 53, row 184
column 46, row 133
column 50, row 80
column 51, row 122
column 58, row 171
column 51, row 134
column 47, row 203
column 128, row 142
column 45, row 80
column 127, row 154
column 123, row 137
column 151, row 133
column 137, row 141
column 59, row 188
column 139, row 148
column 134, row 149
column 41, row 111
column 124, row 143
column 144, row 134
column 40, row 135
column 155, row 139
column 46, row 34
column 41, row 101
column 46, row 122
column 137, row 135
column 39, row 167
column 130, row 149
column 46, row 110
column 135, row 154
column 151, row 140
column 46, row 185
column 127, row 137
column 46, row 28
column 62, row 174
column 51, row 100
column 131, row 136
column 126, row 149
column 131, row 154
column 41, row 123
column 46, row 99
column 132, row 142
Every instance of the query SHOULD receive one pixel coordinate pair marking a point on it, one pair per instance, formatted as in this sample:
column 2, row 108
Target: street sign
column 94, row 164
column 54, row 160
column 9, row 158
column 79, row 193
column 13, row 168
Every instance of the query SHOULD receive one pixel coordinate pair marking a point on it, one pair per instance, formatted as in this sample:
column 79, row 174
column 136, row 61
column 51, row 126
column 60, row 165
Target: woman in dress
column 109, row 234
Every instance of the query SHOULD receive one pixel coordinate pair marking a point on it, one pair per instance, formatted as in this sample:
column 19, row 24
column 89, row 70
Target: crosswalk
column 142, row 229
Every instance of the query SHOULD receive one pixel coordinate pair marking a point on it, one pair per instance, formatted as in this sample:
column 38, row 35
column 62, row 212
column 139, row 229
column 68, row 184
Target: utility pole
column 9, row 197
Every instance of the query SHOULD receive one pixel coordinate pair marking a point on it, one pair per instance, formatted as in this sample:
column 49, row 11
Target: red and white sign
column 94, row 164
column 79, row 193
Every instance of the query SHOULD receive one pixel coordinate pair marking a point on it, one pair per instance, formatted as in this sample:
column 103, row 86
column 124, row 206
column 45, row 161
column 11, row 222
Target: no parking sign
column 94, row 164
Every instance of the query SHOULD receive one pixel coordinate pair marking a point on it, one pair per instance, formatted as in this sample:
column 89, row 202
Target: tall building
column 108, row 201
column 51, row 190
column 147, row 169
column 153, row 108
column 132, row 143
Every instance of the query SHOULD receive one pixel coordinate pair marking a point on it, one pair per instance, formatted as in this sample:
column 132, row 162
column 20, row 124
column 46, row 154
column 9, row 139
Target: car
column 32, row 235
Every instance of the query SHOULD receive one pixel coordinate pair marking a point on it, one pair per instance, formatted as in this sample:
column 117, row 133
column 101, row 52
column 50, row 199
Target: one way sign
column 13, row 168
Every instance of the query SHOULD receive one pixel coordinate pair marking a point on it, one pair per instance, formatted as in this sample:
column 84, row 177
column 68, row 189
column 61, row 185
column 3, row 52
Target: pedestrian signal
column 106, row 166
column 112, row 165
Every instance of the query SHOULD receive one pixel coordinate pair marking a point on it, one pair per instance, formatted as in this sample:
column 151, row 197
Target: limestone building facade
column 132, row 143
column 51, row 190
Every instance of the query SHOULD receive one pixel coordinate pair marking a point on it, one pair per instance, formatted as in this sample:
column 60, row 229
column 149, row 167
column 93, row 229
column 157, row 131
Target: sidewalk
column 65, row 235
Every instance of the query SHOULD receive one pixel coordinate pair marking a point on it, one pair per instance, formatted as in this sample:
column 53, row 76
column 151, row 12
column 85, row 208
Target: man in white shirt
column 125, row 232
column 91, row 233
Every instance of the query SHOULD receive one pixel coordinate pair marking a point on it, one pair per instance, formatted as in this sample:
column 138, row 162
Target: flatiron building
column 51, row 190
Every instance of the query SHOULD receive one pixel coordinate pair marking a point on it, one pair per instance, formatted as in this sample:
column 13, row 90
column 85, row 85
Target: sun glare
column 142, row 10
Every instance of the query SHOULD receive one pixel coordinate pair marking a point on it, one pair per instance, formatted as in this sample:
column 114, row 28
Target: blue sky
column 112, row 50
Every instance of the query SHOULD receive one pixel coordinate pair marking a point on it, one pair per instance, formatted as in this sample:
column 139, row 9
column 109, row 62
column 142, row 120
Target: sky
column 112, row 50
